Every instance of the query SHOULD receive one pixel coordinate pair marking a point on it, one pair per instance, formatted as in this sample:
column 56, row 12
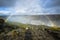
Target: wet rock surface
column 26, row 35
column 55, row 34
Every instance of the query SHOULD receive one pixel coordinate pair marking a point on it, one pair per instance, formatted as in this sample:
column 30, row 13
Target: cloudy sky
column 30, row 7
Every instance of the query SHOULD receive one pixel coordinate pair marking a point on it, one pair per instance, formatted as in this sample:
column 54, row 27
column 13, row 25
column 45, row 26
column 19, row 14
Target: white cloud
column 28, row 7
column 5, row 12
column 33, row 7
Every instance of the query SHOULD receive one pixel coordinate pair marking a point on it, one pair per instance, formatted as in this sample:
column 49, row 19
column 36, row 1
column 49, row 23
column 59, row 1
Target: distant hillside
column 35, row 26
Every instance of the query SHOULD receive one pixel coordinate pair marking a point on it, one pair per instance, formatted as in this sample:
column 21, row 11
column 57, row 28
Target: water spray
column 52, row 23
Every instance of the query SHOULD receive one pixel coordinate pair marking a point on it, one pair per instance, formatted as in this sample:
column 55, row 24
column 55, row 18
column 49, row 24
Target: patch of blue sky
column 4, row 9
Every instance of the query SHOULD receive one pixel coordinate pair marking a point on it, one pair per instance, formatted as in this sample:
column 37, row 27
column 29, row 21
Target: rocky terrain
column 29, row 32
